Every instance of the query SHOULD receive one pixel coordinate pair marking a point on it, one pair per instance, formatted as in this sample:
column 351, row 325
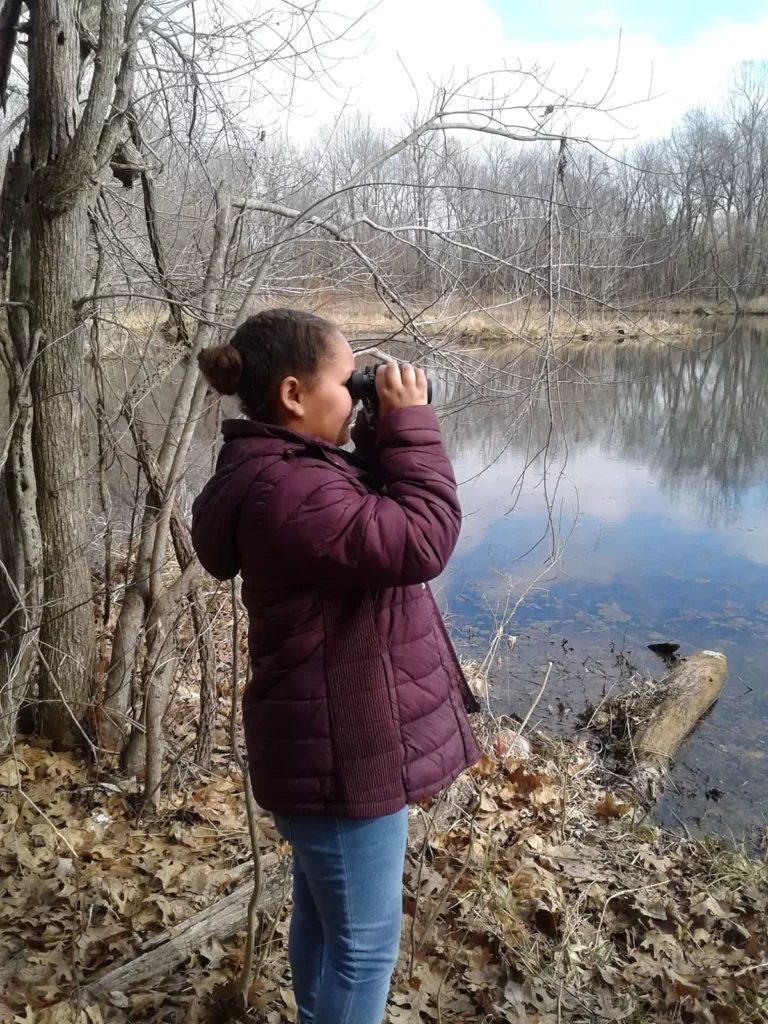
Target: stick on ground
column 220, row 921
column 692, row 687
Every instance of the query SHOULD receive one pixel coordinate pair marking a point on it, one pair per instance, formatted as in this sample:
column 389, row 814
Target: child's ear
column 289, row 397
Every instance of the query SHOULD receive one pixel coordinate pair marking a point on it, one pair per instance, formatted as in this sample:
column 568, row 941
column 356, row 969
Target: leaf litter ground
column 533, row 894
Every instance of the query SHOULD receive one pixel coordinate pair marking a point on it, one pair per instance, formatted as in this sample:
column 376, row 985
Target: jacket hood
column 216, row 510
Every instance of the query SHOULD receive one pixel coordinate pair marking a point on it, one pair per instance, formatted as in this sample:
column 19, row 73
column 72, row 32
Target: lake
column 639, row 515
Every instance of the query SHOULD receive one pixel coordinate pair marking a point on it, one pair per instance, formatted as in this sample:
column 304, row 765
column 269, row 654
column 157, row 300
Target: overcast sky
column 680, row 52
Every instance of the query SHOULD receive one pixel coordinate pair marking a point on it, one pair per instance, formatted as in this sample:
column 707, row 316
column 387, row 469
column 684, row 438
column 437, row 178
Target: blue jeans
column 347, row 910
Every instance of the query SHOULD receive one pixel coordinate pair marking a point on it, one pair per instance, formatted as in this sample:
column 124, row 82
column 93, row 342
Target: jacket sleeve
column 332, row 535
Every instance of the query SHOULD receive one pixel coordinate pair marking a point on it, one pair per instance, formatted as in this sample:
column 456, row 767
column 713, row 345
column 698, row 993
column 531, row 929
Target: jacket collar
column 234, row 429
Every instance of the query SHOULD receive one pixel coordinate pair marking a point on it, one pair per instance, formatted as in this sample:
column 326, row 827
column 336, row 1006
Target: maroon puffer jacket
column 356, row 704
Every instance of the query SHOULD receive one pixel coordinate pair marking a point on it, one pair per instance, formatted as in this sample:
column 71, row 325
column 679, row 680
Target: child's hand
column 399, row 388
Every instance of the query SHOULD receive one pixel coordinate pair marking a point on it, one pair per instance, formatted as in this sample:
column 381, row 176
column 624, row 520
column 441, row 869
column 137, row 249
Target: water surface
column 640, row 515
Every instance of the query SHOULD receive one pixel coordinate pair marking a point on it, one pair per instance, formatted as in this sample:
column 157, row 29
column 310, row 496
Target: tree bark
column 115, row 722
column 67, row 633
column 20, row 542
column 64, row 137
column 692, row 687
column 206, row 654
column 21, row 588
column 158, row 676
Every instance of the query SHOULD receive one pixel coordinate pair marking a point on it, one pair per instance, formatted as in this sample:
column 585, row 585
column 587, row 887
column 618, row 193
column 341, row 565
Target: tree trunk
column 11, row 617
column 158, row 677
column 67, row 634
column 206, row 654
column 20, row 544
column 692, row 687
column 70, row 141
column 126, row 640
column 21, row 587
column 63, row 137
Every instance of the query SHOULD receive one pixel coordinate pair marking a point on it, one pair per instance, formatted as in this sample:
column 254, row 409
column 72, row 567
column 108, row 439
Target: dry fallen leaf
column 725, row 1014
column 484, row 767
column 486, row 802
column 9, row 775
column 288, row 998
column 64, row 867
column 525, row 781
column 403, row 1015
column 547, row 922
column 610, row 807
column 705, row 905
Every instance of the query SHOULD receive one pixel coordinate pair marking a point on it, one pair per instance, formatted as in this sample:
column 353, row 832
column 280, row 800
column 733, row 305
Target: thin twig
column 267, row 942
column 243, row 983
column 422, row 856
column 538, row 697
column 456, row 878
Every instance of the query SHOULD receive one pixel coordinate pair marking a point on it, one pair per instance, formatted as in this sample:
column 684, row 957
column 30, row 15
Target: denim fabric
column 347, row 908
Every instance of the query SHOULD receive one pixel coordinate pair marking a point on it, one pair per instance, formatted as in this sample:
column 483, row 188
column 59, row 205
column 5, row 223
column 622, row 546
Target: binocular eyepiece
column 362, row 387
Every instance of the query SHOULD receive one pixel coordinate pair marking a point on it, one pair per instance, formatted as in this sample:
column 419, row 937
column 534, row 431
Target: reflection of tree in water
column 697, row 416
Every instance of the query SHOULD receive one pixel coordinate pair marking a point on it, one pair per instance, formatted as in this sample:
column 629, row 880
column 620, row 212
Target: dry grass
column 493, row 323
column 486, row 324
column 696, row 307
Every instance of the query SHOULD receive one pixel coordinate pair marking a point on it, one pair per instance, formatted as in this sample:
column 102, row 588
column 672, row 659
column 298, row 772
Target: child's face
column 323, row 405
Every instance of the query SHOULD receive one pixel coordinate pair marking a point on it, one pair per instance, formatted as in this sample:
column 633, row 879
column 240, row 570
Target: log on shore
column 691, row 688
column 221, row 921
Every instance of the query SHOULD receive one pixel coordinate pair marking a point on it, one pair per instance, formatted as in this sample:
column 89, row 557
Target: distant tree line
column 677, row 218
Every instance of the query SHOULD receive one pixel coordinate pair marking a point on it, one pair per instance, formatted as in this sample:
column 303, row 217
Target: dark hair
column 264, row 349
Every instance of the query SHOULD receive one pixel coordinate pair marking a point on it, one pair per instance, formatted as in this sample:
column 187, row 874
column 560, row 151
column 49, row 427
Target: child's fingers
column 400, row 386
column 414, row 385
column 388, row 377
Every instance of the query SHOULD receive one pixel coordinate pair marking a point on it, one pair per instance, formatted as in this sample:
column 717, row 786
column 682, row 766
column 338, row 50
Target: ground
column 536, row 892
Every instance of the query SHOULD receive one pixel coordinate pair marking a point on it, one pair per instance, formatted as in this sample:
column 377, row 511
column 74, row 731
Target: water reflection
column 700, row 416
column 654, row 483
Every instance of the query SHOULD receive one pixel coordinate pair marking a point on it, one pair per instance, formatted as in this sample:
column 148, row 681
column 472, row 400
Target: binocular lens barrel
column 362, row 385
column 359, row 385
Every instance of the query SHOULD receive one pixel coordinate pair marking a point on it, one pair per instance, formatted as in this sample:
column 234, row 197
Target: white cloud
column 605, row 492
column 412, row 44
column 602, row 490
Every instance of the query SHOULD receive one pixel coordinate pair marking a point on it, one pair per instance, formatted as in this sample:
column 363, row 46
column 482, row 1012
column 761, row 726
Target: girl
column 356, row 705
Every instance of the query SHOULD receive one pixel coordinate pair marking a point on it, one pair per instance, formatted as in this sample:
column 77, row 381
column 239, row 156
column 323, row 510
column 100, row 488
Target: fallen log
column 220, row 921
column 690, row 689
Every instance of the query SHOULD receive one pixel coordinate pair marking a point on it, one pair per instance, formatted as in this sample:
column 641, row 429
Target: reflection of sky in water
column 650, row 554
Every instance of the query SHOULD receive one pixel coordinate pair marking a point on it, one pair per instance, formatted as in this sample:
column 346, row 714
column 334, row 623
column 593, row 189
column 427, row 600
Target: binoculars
column 362, row 387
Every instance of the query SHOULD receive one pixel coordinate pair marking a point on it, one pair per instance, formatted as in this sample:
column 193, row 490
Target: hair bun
column 222, row 367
